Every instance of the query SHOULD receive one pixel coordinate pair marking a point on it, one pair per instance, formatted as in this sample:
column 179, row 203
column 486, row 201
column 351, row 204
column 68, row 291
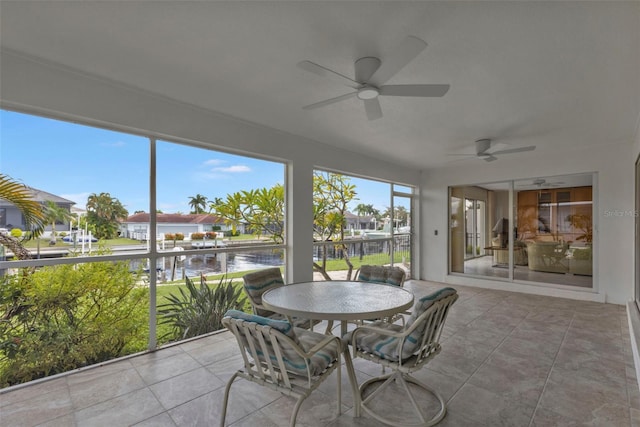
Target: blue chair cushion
column 387, row 347
column 279, row 325
column 304, row 340
column 379, row 274
column 257, row 283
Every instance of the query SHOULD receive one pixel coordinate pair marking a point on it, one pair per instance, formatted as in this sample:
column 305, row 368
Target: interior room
column 514, row 124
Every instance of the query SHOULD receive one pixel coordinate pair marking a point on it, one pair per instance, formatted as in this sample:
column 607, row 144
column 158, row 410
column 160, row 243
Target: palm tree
column 104, row 214
column 20, row 196
column 198, row 203
column 54, row 213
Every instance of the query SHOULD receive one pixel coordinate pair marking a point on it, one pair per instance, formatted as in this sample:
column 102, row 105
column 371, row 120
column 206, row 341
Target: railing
column 393, row 250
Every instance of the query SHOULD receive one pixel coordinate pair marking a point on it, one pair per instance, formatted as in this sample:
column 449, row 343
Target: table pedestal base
column 402, row 380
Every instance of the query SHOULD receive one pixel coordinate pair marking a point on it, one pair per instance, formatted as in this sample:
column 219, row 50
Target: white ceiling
column 553, row 74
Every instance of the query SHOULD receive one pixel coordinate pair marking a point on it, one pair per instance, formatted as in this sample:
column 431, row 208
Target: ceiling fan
column 370, row 76
column 484, row 150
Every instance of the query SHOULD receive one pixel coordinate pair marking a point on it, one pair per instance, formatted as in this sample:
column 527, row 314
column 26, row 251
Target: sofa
column 550, row 257
column 581, row 261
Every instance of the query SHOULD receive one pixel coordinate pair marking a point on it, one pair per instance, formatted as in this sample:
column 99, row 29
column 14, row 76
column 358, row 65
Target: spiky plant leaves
column 198, row 309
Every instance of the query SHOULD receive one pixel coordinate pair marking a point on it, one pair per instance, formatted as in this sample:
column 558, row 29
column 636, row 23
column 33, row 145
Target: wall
column 34, row 86
column 613, row 194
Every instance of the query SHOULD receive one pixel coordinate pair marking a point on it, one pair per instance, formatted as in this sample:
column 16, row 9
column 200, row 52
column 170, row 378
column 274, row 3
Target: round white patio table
column 338, row 300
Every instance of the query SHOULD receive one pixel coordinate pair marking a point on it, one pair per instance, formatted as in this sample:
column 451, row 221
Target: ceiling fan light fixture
column 368, row 92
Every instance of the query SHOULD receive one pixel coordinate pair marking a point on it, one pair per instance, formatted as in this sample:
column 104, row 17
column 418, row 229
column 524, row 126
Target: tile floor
column 507, row 359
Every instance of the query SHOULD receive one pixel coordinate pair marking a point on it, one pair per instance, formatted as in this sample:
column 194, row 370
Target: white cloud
column 214, row 162
column 233, row 169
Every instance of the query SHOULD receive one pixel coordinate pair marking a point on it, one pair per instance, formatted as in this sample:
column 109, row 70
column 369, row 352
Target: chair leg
column 294, row 415
column 226, row 399
column 352, row 379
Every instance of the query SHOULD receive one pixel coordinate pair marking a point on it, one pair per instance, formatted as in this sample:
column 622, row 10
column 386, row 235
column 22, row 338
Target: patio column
column 299, row 214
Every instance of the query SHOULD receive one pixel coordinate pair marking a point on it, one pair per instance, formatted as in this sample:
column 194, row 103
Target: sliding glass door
column 534, row 230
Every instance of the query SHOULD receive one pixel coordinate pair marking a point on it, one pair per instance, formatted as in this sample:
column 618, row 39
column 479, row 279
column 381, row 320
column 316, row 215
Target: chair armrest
column 381, row 331
column 319, row 346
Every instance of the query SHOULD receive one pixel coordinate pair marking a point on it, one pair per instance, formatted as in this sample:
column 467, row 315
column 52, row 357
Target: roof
column 349, row 215
column 42, row 196
column 163, row 218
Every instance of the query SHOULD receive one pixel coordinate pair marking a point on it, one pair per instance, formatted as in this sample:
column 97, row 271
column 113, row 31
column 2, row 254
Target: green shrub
column 211, row 235
column 169, row 236
column 179, row 236
column 67, row 316
column 16, row 232
column 197, row 236
column 199, row 309
column 63, row 234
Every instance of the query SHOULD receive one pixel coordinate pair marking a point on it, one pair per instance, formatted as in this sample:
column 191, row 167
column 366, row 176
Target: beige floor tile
column 38, row 409
column 507, row 359
column 489, row 408
column 581, row 399
column 161, row 420
column 92, row 387
column 124, row 410
column 168, row 367
column 25, row 393
column 182, row 388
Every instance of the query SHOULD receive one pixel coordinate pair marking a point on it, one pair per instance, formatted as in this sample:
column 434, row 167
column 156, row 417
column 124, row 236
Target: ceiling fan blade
column 414, row 90
column 372, row 108
column 514, row 150
column 330, row 101
column 330, row 74
column 408, row 49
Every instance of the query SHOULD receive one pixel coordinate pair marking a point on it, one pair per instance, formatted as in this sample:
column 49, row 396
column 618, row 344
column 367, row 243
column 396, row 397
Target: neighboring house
column 362, row 222
column 137, row 225
column 11, row 217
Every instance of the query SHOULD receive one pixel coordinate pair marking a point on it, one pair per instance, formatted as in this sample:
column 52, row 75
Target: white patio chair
column 390, row 275
column 293, row 361
column 259, row 282
column 403, row 349
column 385, row 274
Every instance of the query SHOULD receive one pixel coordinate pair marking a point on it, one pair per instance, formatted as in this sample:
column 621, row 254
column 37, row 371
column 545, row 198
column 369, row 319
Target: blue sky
column 73, row 161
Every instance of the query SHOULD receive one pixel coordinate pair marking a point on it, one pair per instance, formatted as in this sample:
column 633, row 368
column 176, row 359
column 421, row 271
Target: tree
column 362, row 209
column 54, row 213
column 262, row 210
column 332, row 193
column 400, row 215
column 104, row 214
column 19, row 195
column 198, row 204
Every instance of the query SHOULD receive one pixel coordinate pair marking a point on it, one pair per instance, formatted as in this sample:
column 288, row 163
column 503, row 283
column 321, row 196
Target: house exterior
column 359, row 222
column 10, row 216
column 136, row 226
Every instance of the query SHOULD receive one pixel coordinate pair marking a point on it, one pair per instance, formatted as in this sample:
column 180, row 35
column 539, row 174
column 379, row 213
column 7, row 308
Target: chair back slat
column 434, row 318
column 280, row 359
column 389, row 275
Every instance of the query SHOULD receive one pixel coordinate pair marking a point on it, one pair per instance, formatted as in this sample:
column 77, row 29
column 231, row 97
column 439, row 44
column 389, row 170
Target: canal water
column 195, row 265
